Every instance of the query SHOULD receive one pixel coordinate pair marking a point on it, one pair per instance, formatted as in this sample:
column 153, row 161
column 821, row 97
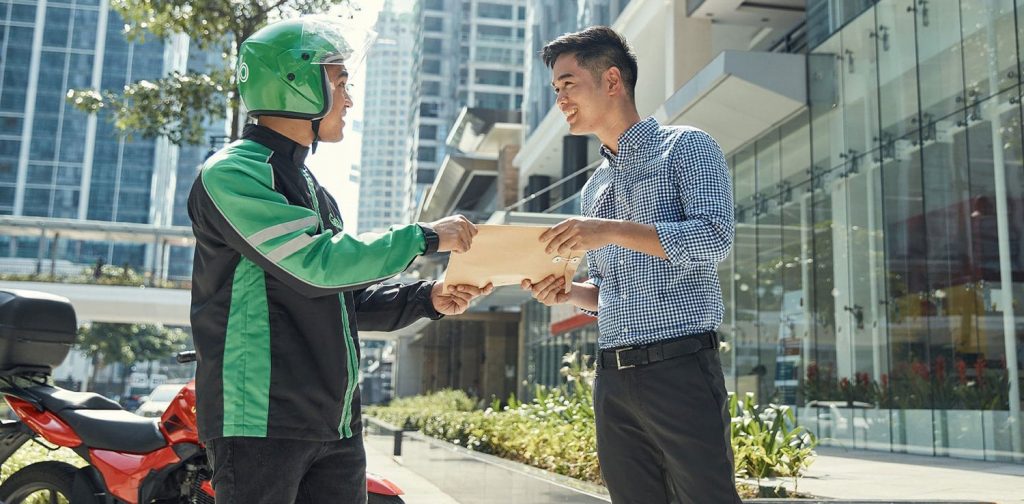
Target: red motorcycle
column 131, row 459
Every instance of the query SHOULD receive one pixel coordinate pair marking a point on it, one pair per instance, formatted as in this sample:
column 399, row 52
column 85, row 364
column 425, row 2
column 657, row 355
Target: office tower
column 383, row 187
column 467, row 53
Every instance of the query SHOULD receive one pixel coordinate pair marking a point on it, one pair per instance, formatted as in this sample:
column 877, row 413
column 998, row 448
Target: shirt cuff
column 670, row 235
column 431, row 241
column 596, row 282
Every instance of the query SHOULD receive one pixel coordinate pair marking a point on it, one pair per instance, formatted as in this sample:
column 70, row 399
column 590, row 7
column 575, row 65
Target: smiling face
column 580, row 96
column 333, row 124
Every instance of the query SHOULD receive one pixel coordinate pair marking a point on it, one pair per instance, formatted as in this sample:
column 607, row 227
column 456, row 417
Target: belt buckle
column 618, row 360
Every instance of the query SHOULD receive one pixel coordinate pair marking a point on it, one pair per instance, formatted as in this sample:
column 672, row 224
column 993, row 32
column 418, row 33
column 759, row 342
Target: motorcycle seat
column 116, row 430
column 57, row 399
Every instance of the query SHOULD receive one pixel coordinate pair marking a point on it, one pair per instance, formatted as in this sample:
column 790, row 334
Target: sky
column 332, row 164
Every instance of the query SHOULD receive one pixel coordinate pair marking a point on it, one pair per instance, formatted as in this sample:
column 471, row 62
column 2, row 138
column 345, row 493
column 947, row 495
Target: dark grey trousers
column 664, row 428
column 283, row 471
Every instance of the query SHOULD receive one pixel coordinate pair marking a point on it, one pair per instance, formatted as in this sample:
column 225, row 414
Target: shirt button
column 622, row 262
column 623, row 296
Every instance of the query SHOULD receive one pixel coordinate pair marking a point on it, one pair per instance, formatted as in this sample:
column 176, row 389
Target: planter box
column 958, row 434
column 913, row 432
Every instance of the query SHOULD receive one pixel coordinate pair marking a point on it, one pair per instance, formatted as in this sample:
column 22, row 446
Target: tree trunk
column 233, row 110
column 94, row 372
column 234, row 100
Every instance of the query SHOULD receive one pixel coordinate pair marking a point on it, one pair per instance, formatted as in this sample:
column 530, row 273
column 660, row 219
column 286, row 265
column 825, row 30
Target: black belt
column 642, row 355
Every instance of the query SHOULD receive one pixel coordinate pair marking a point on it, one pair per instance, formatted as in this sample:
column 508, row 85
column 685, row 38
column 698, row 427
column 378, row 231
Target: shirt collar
column 633, row 138
column 280, row 144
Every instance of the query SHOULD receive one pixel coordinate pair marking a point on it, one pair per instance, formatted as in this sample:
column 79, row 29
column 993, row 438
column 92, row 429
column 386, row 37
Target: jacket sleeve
column 237, row 204
column 389, row 307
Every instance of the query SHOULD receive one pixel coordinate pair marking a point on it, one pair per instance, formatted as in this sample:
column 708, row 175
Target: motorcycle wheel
column 384, row 499
column 42, row 482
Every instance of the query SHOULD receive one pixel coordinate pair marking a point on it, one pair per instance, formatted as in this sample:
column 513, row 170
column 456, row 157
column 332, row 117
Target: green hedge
column 555, row 431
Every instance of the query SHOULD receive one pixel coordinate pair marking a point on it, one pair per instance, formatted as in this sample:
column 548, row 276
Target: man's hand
column 454, row 299
column 454, row 233
column 550, row 291
column 579, row 234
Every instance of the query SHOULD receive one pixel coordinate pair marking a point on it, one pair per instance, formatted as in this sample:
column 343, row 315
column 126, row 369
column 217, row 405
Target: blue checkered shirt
column 676, row 179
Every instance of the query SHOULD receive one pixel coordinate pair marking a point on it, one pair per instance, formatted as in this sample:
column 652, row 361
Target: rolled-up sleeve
column 706, row 233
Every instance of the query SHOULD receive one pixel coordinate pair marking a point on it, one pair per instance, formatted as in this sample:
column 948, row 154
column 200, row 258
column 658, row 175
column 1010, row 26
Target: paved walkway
column 417, row 489
column 837, row 473
column 859, row 474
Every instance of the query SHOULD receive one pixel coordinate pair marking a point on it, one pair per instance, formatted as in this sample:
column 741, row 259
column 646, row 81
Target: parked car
column 158, row 399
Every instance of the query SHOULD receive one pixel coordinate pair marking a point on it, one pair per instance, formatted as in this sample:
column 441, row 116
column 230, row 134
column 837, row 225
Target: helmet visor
column 338, row 41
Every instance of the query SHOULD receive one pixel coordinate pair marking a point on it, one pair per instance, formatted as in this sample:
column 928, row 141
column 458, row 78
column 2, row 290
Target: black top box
column 36, row 331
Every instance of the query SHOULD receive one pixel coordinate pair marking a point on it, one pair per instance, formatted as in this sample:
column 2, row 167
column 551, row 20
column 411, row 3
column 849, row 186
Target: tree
column 177, row 105
column 126, row 344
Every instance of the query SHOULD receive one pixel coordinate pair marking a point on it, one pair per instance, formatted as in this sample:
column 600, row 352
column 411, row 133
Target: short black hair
column 597, row 49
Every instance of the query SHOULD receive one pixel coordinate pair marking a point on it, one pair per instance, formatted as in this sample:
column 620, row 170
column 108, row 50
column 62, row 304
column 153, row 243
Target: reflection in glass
column 745, row 336
column 825, row 91
column 769, row 272
column 990, row 47
column 859, row 72
column 940, row 62
column 992, row 359
column 897, row 74
column 795, row 313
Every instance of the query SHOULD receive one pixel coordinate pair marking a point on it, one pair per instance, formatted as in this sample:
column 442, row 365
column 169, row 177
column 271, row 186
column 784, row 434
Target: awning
column 739, row 96
column 460, row 184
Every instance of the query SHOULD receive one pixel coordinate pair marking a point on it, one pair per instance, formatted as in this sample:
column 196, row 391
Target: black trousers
column 250, row 470
column 663, row 428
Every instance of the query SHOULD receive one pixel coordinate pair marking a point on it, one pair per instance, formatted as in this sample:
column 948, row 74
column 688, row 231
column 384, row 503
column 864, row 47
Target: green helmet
column 281, row 67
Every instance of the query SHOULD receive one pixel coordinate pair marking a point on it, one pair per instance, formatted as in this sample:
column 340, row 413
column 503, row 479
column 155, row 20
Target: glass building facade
column 57, row 162
column 878, row 268
column 876, row 279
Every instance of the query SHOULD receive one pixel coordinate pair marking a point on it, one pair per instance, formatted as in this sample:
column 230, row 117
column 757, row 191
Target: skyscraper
column 383, row 187
column 58, row 162
column 468, row 53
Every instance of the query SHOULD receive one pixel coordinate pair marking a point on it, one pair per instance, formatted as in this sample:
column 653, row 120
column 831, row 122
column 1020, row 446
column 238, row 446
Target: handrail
column 559, row 182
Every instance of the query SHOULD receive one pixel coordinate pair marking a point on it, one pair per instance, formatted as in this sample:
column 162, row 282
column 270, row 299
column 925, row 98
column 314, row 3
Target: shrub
column 767, row 442
column 555, row 431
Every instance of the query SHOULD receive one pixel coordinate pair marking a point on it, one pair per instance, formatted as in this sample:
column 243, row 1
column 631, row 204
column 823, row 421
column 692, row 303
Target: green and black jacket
column 277, row 291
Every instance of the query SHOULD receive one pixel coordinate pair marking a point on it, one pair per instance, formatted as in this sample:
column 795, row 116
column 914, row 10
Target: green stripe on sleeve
column 242, row 189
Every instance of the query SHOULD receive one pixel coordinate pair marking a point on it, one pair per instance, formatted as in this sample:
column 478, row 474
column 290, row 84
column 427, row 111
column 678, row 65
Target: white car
column 158, row 399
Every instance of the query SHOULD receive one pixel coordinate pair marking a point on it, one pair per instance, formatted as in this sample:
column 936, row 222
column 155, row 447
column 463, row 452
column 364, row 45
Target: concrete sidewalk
column 417, row 489
column 859, row 474
column 835, row 474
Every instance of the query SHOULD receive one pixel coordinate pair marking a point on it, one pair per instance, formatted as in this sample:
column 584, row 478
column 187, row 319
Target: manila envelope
column 506, row 255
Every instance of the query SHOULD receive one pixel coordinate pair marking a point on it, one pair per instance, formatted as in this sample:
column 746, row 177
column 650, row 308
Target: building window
column 494, row 11
column 432, row 67
column 431, row 45
column 492, row 77
column 434, row 24
column 429, row 110
column 428, row 131
column 426, row 154
column 491, row 100
column 489, row 32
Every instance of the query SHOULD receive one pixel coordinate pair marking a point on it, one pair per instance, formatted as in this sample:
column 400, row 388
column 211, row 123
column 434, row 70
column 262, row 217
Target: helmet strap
column 316, row 135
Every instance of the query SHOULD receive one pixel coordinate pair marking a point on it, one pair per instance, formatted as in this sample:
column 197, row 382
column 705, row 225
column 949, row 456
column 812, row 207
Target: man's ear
column 612, row 81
